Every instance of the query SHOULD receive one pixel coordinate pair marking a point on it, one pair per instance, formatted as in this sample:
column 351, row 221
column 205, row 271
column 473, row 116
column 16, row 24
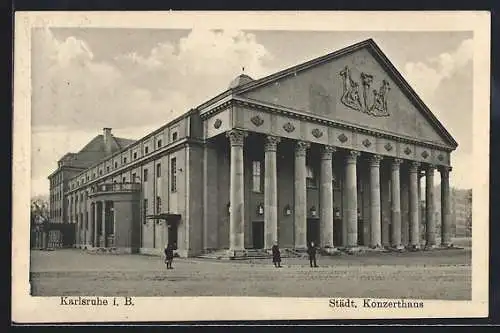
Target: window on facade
column 124, row 180
column 257, row 176
column 173, row 175
column 146, row 150
column 124, row 160
column 145, row 175
column 145, row 209
column 93, row 175
column 134, row 176
column 100, row 172
column 158, row 205
column 158, row 170
column 116, row 165
column 159, row 143
column 310, row 177
column 135, row 155
column 174, row 136
column 107, row 169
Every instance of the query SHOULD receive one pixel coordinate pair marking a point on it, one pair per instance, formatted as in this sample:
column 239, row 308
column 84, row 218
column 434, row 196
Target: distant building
column 326, row 151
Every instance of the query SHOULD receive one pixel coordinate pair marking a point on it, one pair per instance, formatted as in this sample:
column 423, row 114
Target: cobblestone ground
column 427, row 275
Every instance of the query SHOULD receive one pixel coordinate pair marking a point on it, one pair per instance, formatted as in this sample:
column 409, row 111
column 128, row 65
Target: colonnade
column 350, row 204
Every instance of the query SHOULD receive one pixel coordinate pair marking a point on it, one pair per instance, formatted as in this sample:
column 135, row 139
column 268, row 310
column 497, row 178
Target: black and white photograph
column 237, row 162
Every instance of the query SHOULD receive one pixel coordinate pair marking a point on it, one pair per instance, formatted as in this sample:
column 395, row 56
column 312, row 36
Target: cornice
column 301, row 115
column 136, row 163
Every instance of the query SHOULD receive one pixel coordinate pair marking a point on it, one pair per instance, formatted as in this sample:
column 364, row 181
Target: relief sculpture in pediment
column 371, row 102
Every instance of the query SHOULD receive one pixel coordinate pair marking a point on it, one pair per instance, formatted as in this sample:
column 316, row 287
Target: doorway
column 172, row 233
column 258, row 234
column 312, row 234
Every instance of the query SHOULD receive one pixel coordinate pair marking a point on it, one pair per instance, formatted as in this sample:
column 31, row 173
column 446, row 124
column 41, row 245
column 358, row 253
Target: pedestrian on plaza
column 169, row 256
column 311, row 251
column 276, row 255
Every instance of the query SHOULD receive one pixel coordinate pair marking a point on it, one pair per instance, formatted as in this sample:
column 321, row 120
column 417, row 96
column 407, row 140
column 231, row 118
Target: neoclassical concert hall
column 338, row 150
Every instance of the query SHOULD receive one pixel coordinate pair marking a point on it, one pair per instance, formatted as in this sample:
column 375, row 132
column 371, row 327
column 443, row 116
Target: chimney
column 107, row 140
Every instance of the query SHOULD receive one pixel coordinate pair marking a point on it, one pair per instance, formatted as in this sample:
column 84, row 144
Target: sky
column 136, row 80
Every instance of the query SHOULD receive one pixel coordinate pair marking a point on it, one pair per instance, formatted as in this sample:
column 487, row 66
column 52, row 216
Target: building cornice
column 136, row 163
column 306, row 116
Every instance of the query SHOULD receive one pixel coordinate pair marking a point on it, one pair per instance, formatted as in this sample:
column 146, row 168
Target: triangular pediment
column 355, row 85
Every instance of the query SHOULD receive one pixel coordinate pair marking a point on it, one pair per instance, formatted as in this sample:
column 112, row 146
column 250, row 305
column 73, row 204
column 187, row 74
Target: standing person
column 311, row 251
column 276, row 255
column 169, row 256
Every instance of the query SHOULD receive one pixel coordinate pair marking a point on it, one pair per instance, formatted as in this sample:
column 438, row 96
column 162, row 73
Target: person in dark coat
column 276, row 255
column 311, row 251
column 169, row 255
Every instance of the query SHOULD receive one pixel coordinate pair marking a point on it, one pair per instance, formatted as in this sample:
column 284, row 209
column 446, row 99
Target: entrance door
column 172, row 233
column 258, row 235
column 312, row 231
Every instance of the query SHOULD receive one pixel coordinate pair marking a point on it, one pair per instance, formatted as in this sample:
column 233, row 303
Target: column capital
column 236, row 137
column 375, row 160
column 414, row 165
column 327, row 151
column 445, row 170
column 301, row 148
column 352, row 156
column 396, row 163
column 430, row 168
column 271, row 143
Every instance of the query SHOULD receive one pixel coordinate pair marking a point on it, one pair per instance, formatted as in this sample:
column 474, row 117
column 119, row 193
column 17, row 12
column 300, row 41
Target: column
column 236, row 192
column 351, row 197
column 414, row 205
column 300, row 202
column 89, row 235
column 420, row 213
column 103, row 223
column 375, row 212
column 430, row 228
column 96, row 226
column 395, row 204
column 270, row 192
column 405, row 207
column 326, row 198
column 445, row 207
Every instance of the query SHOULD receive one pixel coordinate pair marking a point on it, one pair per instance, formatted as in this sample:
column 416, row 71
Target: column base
column 430, row 247
column 447, row 245
column 236, row 254
column 330, row 251
column 413, row 247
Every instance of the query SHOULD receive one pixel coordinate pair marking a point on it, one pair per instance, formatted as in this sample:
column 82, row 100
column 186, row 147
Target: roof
column 378, row 55
column 122, row 143
column 240, row 80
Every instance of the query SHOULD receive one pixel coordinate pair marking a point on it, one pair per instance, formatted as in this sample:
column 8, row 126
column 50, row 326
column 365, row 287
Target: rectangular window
column 100, row 172
column 107, row 169
column 134, row 176
column 124, row 160
column 310, row 177
column 116, row 165
column 158, row 205
column 159, row 143
column 135, row 155
column 146, row 150
column 145, row 209
column 158, row 170
column 173, row 175
column 174, row 136
column 124, row 180
column 256, row 176
column 145, row 175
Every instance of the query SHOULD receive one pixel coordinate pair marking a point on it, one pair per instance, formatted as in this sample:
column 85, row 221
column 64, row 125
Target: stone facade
column 330, row 151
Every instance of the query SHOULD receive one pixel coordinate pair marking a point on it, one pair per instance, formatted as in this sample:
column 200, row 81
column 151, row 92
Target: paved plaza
column 444, row 274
